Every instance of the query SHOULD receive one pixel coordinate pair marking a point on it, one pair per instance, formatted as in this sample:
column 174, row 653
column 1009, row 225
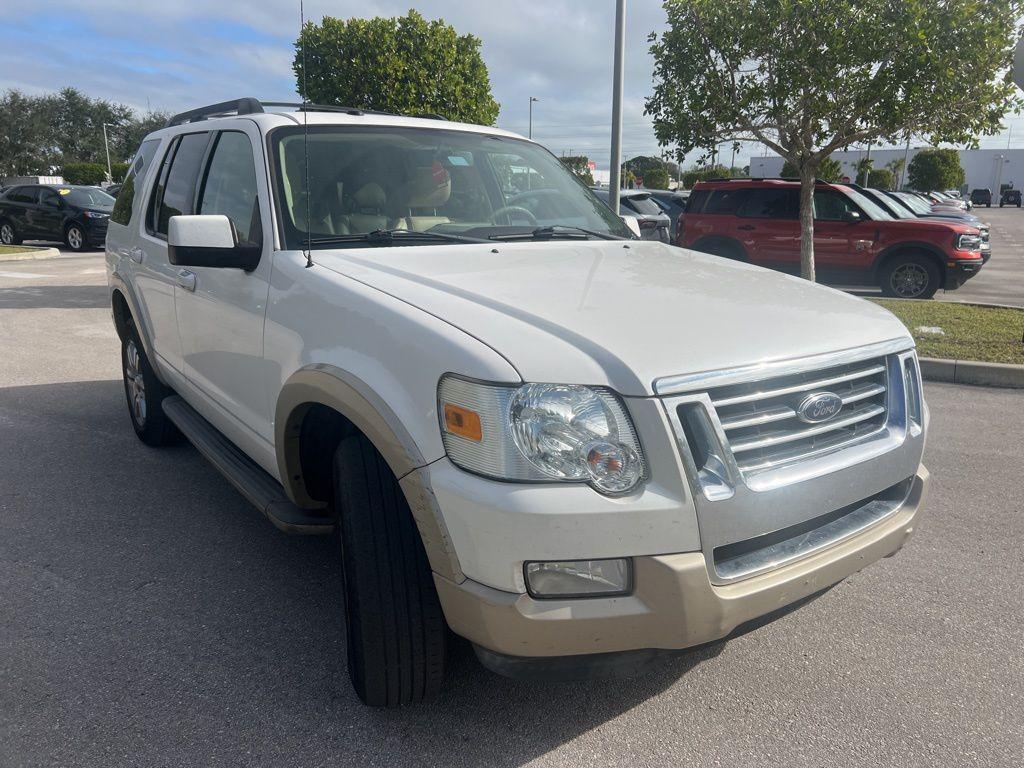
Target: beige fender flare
column 330, row 386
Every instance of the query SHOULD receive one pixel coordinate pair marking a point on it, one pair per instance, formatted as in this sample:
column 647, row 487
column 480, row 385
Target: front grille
column 762, row 426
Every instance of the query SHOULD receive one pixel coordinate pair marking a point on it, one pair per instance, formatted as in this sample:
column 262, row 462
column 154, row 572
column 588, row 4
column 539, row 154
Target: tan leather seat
column 430, row 188
column 368, row 214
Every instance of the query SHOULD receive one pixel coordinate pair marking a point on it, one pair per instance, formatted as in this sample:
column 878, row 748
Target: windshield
column 917, row 205
column 891, row 205
column 870, row 207
column 373, row 178
column 86, row 197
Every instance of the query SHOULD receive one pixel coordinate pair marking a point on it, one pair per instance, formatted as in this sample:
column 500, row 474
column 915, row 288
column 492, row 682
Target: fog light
column 579, row 578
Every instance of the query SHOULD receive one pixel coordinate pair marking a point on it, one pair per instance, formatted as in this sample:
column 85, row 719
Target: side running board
column 251, row 480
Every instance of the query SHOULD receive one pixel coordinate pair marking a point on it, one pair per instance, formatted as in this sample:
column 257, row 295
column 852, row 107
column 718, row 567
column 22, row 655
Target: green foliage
column 828, row 170
column 895, row 167
column 39, row 134
column 808, row 78
column 656, row 178
column 641, row 164
column 406, row 65
column 84, row 173
column 119, row 171
column 880, row 178
column 863, row 168
column 580, row 165
column 694, row 175
column 932, row 169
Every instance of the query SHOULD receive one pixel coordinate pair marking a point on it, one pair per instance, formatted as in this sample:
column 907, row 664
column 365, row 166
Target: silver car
column 654, row 223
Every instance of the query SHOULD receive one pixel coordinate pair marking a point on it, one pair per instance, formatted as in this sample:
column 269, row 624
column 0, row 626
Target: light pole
column 614, row 176
column 106, row 146
column 529, row 134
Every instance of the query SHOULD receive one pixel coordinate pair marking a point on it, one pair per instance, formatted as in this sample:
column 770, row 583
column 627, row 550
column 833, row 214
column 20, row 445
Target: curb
column 35, row 253
column 967, row 372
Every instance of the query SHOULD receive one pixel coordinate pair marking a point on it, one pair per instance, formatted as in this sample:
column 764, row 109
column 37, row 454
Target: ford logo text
column 818, row 407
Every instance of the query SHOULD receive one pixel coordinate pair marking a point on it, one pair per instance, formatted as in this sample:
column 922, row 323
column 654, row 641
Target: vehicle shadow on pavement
column 55, row 297
column 151, row 612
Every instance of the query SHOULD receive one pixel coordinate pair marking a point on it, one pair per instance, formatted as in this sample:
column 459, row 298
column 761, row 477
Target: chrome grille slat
column 789, row 436
column 802, row 387
column 762, row 430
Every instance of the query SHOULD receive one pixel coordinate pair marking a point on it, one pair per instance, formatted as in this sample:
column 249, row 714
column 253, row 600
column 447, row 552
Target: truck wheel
column 394, row 623
column 910, row 276
column 75, row 238
column 145, row 393
column 8, row 235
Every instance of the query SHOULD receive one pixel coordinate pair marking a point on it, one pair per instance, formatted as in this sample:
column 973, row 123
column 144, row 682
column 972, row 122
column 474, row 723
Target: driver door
column 841, row 243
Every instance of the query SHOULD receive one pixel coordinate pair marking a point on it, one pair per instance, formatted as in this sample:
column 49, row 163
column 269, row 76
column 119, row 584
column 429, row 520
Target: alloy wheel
column 75, row 238
column 7, row 234
column 909, row 280
column 136, row 384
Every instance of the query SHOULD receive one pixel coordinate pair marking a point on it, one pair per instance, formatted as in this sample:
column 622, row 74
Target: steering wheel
column 510, row 209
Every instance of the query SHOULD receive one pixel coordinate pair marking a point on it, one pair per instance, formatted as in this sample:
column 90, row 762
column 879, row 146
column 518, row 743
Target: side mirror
column 852, row 217
column 632, row 223
column 209, row 241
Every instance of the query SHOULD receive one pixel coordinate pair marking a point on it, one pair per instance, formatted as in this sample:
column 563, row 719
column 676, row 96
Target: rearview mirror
column 209, row 240
column 632, row 223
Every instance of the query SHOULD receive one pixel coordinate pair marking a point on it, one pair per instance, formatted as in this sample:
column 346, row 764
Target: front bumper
column 674, row 604
column 959, row 271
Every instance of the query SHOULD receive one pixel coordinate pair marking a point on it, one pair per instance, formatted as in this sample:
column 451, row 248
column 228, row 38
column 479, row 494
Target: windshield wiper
column 390, row 236
column 558, row 230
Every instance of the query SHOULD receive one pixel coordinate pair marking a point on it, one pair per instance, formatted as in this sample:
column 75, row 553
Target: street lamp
column 529, row 135
column 106, row 146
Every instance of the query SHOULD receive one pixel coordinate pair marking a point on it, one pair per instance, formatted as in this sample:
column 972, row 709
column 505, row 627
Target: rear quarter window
column 122, row 212
column 724, row 201
column 695, row 204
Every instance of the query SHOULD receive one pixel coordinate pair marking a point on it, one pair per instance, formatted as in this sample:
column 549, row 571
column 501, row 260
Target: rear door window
column 176, row 192
column 724, row 201
column 695, row 203
column 770, row 204
column 643, row 205
column 22, row 195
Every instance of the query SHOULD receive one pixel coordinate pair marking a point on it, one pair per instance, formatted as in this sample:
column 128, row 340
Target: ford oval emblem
column 818, row 407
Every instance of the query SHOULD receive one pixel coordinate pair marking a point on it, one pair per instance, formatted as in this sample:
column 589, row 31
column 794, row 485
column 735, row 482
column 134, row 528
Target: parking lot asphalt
column 149, row 616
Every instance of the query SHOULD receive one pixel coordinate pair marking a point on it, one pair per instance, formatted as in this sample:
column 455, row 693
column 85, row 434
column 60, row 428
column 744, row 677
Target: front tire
column 910, row 276
column 394, row 623
column 145, row 393
column 8, row 235
column 75, row 238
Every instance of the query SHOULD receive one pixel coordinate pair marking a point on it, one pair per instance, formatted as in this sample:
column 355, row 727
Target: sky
column 174, row 55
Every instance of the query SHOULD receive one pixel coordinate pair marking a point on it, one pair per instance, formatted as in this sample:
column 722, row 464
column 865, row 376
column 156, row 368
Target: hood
column 617, row 314
column 935, row 223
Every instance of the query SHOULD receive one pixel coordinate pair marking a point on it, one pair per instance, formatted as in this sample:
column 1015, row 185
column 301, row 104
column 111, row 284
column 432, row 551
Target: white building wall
column 981, row 166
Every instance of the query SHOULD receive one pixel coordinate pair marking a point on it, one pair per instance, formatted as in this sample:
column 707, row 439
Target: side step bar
column 251, row 480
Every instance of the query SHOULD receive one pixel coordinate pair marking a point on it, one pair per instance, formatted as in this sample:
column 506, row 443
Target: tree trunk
column 807, row 223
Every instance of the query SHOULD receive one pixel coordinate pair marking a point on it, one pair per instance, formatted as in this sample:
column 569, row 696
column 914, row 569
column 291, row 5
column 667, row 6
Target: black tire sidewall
column 158, row 429
column 67, row 238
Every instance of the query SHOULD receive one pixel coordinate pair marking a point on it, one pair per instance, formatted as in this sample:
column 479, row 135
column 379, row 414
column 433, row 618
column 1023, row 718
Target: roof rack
column 766, row 178
column 252, row 106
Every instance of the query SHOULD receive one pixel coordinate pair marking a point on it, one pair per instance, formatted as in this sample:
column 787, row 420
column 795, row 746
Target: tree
column 879, row 178
column 84, row 173
column 656, row 178
column 895, row 167
column 932, row 169
column 580, row 165
column 704, row 173
column 641, row 164
column 26, row 138
column 863, row 168
column 807, row 78
column 829, row 170
column 406, row 65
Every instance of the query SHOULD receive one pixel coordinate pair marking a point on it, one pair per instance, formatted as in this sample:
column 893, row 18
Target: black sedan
column 75, row 215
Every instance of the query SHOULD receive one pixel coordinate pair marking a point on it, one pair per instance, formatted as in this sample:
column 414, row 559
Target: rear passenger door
column 221, row 310
column 768, row 227
column 155, row 277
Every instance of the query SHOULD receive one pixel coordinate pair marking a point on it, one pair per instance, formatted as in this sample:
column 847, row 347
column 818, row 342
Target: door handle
column 187, row 279
column 136, row 254
column 746, row 227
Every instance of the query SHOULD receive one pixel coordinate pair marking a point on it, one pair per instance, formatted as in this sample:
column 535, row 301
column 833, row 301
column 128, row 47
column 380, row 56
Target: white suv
column 579, row 450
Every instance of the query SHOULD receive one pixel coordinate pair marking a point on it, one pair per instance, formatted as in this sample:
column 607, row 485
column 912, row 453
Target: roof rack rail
column 767, row 178
column 246, row 106
column 311, row 107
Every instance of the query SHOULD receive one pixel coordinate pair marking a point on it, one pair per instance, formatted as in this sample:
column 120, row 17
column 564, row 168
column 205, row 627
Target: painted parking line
column 25, row 275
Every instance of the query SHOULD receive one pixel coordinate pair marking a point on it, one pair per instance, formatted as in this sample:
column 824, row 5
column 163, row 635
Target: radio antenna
column 305, row 137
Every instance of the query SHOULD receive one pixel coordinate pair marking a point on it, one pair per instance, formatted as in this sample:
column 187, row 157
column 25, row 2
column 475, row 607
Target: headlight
column 968, row 243
column 95, row 215
column 540, row 433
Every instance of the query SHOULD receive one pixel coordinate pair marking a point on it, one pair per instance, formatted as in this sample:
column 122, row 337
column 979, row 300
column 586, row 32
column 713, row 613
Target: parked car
column 673, row 203
column 112, row 190
column 76, row 215
column 1010, row 197
column 855, row 240
column 653, row 221
column 944, row 201
column 901, row 210
column 980, row 196
column 489, row 413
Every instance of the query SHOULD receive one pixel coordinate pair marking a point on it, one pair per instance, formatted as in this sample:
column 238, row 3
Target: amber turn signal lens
column 462, row 422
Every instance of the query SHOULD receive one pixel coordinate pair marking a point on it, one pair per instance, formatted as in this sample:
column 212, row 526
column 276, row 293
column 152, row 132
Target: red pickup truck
column 855, row 240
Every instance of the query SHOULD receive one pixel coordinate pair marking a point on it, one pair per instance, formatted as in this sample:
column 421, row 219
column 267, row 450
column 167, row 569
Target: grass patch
column 5, row 249
column 985, row 334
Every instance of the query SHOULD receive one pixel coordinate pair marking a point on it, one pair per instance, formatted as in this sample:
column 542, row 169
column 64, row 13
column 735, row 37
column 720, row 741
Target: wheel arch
column 902, row 248
column 319, row 406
